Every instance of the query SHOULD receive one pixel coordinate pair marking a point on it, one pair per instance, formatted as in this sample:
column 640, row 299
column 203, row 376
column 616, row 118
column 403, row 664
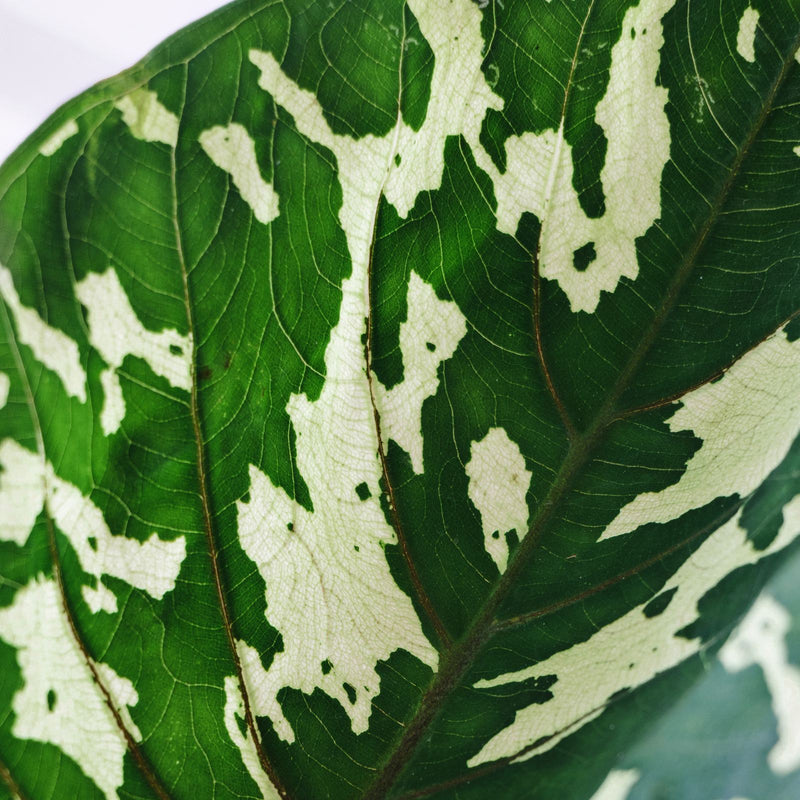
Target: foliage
column 400, row 399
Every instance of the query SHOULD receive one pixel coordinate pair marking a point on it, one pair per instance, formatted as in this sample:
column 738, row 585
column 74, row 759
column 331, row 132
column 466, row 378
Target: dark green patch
column 417, row 72
column 658, row 605
column 792, row 330
column 584, row 256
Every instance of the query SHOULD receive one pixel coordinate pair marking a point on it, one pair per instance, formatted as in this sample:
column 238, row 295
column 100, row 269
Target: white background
column 51, row 50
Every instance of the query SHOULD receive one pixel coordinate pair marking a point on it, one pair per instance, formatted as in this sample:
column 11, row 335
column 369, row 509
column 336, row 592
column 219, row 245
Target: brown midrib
column 205, row 497
column 458, row 659
column 8, row 779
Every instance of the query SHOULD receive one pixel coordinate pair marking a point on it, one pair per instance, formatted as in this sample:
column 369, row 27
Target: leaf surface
column 397, row 398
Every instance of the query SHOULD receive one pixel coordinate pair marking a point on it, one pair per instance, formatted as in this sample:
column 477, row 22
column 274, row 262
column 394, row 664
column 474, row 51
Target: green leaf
column 401, row 400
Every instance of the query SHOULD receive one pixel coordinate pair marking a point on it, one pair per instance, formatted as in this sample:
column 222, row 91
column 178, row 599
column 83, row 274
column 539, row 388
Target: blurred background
column 51, row 50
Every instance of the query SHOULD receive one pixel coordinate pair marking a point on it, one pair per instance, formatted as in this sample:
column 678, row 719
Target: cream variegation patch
column 147, row 118
column 746, row 36
column 53, row 143
column 233, row 150
column 539, row 173
column 498, row 487
column 329, row 590
column 746, row 422
column 52, row 347
column 26, row 482
column 115, row 332
column 59, row 702
column 428, row 337
column 629, row 651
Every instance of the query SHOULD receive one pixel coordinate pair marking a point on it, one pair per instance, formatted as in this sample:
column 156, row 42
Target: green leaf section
column 398, row 400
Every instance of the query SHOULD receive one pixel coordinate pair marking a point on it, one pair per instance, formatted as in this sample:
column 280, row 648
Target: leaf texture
column 398, row 399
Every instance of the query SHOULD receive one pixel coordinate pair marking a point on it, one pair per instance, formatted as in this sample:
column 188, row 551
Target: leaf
column 399, row 399
column 734, row 734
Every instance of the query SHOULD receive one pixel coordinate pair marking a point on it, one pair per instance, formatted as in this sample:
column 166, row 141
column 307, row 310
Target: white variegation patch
column 52, row 347
column 234, row 708
column 232, row 149
column 5, row 387
column 747, row 422
column 629, row 651
column 746, row 36
column 459, row 99
column 458, row 102
column 331, row 595
column 26, row 480
column 329, row 590
column 761, row 639
column 498, row 487
column 539, row 173
column 617, row 785
column 115, row 332
column 147, row 118
column 796, row 150
column 53, row 143
column 113, row 401
column 59, row 702
column 428, row 337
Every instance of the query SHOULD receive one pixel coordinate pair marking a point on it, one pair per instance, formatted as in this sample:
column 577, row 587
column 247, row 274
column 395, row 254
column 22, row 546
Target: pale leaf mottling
column 428, row 337
column 147, row 119
column 54, row 673
column 746, row 421
column 233, row 150
column 52, row 347
column 631, row 650
column 53, row 143
column 498, row 487
column 746, row 37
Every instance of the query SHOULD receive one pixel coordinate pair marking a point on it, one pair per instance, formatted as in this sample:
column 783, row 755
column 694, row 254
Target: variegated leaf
column 400, row 400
